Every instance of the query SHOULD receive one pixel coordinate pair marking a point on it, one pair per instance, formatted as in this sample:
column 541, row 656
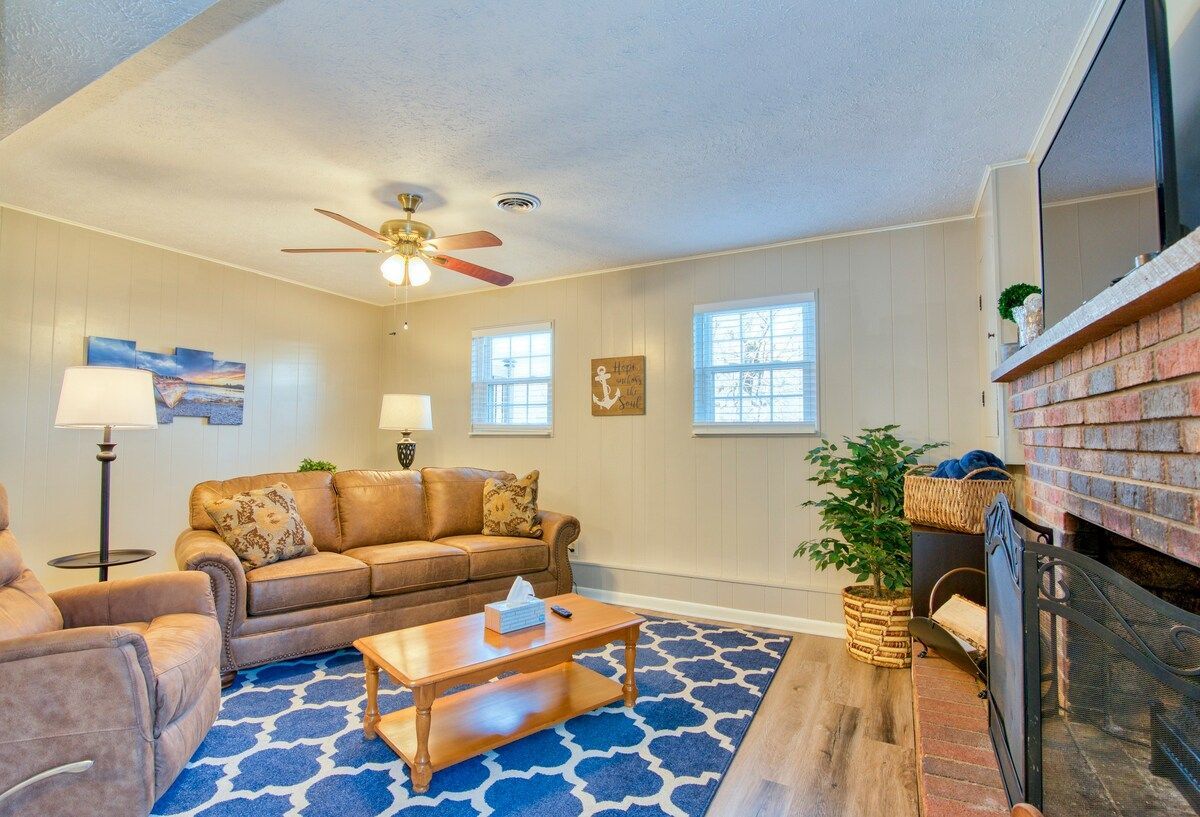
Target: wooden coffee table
column 549, row 686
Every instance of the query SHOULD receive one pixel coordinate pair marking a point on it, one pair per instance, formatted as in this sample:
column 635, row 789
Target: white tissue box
column 506, row 616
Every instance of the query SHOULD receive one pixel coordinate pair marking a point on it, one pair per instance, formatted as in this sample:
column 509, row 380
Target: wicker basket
column 877, row 629
column 953, row 504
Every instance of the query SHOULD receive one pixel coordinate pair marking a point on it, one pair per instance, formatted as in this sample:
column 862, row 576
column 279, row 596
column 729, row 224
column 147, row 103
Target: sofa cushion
column 262, row 526
column 494, row 556
column 454, row 499
column 314, row 498
column 402, row 566
column 323, row 578
column 185, row 650
column 510, row 506
column 379, row 507
column 25, row 606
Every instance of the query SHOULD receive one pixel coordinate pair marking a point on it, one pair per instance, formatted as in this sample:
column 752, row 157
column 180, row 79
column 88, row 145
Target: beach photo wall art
column 188, row 383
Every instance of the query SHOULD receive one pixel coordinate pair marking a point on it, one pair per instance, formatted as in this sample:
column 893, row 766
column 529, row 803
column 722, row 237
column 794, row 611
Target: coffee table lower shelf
column 475, row 720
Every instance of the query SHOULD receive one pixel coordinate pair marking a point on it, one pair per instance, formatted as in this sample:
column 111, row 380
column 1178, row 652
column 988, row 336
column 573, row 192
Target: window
column 756, row 366
column 512, row 383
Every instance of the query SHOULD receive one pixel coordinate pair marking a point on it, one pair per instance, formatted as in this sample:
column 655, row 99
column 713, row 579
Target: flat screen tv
column 1122, row 176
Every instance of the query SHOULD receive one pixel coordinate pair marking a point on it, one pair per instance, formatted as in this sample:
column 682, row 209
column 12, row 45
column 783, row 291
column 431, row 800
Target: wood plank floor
column 832, row 738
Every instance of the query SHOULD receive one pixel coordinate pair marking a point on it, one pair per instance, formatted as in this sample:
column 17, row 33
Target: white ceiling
column 650, row 131
column 49, row 49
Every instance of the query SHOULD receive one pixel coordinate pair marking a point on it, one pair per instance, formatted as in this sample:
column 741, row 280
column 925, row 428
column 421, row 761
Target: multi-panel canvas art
column 188, row 383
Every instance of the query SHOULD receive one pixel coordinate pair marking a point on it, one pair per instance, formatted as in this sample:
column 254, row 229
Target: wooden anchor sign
column 618, row 386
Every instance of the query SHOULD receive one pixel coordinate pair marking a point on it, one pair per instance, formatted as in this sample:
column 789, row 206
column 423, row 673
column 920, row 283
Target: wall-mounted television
column 1122, row 175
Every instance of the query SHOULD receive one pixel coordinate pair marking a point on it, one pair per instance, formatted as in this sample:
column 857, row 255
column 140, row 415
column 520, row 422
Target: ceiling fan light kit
column 412, row 246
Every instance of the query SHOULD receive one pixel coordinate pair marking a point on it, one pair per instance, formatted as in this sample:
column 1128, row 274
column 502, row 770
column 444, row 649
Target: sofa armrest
column 76, row 695
column 206, row 551
column 142, row 598
column 559, row 530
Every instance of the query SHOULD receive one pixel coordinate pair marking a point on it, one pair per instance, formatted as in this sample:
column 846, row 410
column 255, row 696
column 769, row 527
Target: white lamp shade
column 418, row 272
column 406, row 412
column 99, row 396
column 393, row 269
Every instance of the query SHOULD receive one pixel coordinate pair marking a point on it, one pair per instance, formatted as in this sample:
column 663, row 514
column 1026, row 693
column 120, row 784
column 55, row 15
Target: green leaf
column 865, row 507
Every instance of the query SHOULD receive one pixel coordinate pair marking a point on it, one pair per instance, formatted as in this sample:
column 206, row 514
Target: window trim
column 701, row 429
column 495, row 430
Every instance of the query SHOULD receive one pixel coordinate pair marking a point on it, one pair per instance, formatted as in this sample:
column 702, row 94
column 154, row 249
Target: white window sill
column 755, row 430
column 533, row 431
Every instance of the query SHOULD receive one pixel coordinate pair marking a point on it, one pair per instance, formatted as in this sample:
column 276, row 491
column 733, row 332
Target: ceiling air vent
column 517, row 202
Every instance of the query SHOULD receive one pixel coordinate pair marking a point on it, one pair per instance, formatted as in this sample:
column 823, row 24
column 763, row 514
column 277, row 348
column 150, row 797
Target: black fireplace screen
column 1094, row 683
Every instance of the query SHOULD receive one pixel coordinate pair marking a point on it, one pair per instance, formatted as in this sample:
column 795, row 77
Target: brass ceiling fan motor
column 414, row 240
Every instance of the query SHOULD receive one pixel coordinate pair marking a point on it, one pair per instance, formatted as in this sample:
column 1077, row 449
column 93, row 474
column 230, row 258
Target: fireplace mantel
column 1171, row 277
column 1107, row 408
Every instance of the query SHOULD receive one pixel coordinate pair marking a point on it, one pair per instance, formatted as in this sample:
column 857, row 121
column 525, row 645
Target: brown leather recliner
column 106, row 690
column 396, row 549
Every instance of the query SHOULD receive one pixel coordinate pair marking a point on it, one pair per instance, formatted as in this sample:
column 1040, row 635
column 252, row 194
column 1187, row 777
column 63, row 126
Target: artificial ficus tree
column 866, row 507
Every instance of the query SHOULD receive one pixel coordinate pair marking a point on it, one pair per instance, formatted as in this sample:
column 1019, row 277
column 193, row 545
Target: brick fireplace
column 1111, row 433
column 1107, row 408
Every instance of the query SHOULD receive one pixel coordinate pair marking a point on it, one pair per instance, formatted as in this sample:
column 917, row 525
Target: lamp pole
column 106, row 457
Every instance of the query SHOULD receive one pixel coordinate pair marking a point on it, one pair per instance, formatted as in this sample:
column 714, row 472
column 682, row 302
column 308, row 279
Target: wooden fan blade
column 329, row 249
column 466, row 241
column 352, row 223
column 474, row 270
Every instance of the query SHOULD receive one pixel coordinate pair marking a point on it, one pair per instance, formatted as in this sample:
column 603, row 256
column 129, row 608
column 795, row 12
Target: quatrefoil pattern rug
column 288, row 741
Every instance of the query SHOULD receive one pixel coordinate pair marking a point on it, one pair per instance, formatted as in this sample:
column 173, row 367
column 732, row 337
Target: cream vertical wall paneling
column 1007, row 220
column 710, row 523
column 313, row 382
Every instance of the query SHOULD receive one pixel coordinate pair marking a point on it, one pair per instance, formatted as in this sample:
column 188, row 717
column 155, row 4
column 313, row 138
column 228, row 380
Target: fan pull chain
column 406, row 288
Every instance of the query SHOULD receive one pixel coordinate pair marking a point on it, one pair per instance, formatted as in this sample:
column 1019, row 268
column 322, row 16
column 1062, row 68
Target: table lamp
column 406, row 413
column 105, row 397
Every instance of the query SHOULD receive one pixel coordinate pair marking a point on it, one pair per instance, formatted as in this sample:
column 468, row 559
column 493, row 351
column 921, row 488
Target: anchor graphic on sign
column 609, row 401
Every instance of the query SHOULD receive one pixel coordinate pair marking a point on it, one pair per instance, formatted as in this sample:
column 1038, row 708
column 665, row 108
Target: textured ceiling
column 650, row 131
column 49, row 49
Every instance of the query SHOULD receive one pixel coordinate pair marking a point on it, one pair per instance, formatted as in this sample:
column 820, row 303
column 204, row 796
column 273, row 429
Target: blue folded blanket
column 968, row 462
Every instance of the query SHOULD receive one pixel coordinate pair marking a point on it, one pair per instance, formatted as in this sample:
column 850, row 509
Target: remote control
column 562, row 611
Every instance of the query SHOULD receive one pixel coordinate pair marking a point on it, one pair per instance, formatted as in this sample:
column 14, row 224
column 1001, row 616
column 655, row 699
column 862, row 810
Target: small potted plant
column 1019, row 305
column 307, row 464
column 866, row 508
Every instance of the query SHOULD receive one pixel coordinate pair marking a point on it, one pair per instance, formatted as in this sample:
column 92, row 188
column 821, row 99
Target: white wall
column 1007, row 220
column 713, row 521
column 313, row 384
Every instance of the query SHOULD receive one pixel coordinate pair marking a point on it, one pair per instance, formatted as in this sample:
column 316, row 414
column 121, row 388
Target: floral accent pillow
column 510, row 506
column 262, row 526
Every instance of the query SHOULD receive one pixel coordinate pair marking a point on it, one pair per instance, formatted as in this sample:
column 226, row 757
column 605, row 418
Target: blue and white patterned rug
column 288, row 741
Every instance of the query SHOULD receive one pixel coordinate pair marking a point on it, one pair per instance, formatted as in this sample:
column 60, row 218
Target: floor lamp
column 406, row 413
column 105, row 397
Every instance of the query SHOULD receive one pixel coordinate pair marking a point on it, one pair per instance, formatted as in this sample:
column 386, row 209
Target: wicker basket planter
column 877, row 629
column 953, row 504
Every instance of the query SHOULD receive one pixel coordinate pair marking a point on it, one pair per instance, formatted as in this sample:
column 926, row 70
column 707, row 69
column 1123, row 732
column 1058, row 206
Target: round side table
column 91, row 560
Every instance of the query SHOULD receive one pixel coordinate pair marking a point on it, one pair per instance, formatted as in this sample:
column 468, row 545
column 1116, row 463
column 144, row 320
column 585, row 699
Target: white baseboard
column 748, row 617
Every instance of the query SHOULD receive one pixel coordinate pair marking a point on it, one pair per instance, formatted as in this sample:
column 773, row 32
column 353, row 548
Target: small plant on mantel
column 866, row 508
column 1013, row 296
column 307, row 464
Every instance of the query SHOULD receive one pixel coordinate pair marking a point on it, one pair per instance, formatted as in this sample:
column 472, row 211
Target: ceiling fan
column 413, row 245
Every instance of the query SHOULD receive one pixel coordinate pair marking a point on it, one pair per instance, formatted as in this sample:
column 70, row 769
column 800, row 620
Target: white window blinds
column 512, row 379
column 756, row 366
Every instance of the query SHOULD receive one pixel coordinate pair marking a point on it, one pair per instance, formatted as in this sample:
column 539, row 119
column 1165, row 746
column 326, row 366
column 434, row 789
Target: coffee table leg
column 372, row 714
column 422, row 772
column 630, row 688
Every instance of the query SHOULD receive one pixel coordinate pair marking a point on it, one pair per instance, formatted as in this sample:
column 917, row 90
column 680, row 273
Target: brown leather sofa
column 396, row 549
column 106, row 690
